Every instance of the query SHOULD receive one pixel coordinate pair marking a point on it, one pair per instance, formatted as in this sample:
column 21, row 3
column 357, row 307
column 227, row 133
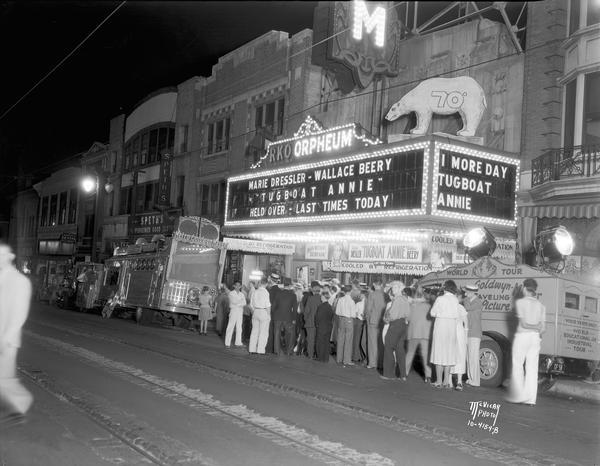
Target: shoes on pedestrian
column 12, row 419
column 371, row 367
column 350, row 364
column 227, row 346
column 427, row 380
column 448, row 386
column 459, row 387
column 385, row 378
column 531, row 405
column 403, row 379
column 436, row 385
column 239, row 346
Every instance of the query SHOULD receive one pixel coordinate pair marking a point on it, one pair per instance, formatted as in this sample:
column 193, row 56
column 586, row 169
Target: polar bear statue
column 444, row 96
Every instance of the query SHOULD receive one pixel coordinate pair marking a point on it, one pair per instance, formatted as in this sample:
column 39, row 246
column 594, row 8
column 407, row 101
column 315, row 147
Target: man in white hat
column 15, row 297
column 472, row 303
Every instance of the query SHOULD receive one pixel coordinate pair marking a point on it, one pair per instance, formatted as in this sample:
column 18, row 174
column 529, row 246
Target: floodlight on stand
column 552, row 247
column 479, row 242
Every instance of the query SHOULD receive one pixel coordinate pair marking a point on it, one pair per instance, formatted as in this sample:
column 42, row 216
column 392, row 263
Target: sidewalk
column 575, row 389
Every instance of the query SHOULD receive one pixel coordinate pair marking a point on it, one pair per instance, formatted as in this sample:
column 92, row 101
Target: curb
column 575, row 389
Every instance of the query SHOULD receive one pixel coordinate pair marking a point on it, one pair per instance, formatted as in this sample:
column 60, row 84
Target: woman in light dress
column 444, row 346
column 205, row 311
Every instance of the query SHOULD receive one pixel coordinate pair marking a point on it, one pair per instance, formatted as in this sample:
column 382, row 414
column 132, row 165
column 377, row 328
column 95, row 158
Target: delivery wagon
column 570, row 342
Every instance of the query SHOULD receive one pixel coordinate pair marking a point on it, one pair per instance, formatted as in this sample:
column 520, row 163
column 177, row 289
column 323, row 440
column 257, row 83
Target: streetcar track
column 272, row 429
column 487, row 449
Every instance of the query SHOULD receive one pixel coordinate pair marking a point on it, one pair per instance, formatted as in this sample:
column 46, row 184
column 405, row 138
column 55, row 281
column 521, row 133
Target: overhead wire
column 62, row 61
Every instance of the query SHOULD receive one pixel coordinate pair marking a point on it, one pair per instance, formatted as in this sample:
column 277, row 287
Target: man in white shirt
column 346, row 312
column 261, row 317
column 15, row 297
column 526, row 345
column 237, row 301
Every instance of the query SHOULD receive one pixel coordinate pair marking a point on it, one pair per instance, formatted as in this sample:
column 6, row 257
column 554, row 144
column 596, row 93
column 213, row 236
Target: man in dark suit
column 273, row 289
column 283, row 314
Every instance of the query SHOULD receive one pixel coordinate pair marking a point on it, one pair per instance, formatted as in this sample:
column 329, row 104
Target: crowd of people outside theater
column 382, row 327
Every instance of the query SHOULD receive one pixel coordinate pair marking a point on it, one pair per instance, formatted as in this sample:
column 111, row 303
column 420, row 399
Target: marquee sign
column 474, row 185
column 384, row 183
column 312, row 139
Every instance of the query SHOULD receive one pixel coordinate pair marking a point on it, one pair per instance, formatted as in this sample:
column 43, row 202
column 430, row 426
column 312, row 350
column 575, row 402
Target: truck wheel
column 491, row 363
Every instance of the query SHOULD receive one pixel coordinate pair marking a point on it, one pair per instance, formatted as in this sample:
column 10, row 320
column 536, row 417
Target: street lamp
column 90, row 184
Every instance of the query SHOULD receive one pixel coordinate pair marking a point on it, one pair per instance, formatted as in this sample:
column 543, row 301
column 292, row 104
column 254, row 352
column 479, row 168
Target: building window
column 204, row 202
column 62, row 208
column 44, row 214
column 214, row 199
column 125, row 200
column 144, row 148
column 113, row 161
column 88, row 226
column 72, row 205
column 569, row 123
column 108, row 204
column 218, row 136
column 53, row 209
column 179, row 189
column 152, row 146
column 270, row 116
column 574, row 16
column 593, row 12
column 591, row 111
column 183, row 138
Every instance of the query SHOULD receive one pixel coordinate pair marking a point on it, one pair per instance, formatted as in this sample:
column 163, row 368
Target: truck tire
column 491, row 363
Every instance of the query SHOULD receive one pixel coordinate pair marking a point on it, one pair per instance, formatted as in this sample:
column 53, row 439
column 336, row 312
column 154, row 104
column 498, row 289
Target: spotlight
column 553, row 245
column 479, row 242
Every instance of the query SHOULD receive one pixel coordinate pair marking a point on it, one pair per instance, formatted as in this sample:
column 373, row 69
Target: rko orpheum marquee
column 349, row 203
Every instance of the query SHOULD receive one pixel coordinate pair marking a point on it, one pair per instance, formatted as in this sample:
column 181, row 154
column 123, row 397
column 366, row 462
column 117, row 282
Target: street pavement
column 113, row 392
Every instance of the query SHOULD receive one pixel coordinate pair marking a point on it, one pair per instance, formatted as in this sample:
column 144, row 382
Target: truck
column 163, row 279
column 570, row 342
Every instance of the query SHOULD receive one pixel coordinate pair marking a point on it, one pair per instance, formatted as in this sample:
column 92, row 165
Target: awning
column 561, row 211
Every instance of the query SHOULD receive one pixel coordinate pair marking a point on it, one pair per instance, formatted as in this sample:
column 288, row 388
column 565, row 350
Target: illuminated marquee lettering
column 324, row 143
column 375, row 21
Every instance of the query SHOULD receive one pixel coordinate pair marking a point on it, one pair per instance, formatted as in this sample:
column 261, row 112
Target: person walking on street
column 205, row 312
column 419, row 332
column 237, row 301
column 261, row 317
column 397, row 316
column 474, row 306
column 283, row 313
column 345, row 310
column 359, row 322
column 374, row 309
column 444, row 347
column 15, row 298
column 526, row 346
column 313, row 301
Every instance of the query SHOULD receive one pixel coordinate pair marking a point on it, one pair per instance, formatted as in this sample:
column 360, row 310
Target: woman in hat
column 205, row 311
column 324, row 325
column 462, row 329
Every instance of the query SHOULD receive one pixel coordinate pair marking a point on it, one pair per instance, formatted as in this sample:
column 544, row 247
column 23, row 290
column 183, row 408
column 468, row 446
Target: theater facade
column 338, row 202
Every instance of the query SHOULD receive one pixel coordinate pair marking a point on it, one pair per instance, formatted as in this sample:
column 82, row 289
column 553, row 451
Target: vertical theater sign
column 364, row 41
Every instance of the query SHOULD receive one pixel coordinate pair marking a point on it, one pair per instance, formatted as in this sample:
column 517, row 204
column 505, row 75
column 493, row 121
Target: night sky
column 144, row 46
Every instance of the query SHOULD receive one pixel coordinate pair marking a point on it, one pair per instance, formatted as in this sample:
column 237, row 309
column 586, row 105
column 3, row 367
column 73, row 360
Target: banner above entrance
column 259, row 247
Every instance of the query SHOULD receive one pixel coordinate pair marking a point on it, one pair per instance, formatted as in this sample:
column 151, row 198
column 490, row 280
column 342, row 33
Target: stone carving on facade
column 443, row 96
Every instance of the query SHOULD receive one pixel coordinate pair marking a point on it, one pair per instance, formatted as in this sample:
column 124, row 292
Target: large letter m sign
column 375, row 21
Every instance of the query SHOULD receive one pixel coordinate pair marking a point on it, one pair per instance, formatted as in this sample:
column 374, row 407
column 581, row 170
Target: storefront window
column 214, row 199
column 591, row 115
column 125, row 200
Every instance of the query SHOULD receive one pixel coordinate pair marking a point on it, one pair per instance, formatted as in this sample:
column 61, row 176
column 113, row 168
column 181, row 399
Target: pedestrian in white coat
column 15, row 297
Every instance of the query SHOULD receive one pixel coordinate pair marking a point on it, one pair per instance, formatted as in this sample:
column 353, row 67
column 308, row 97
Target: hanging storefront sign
column 393, row 268
column 259, row 247
column 474, row 185
column 312, row 139
column 384, row 183
column 398, row 251
column 164, row 180
column 151, row 224
column 316, row 251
